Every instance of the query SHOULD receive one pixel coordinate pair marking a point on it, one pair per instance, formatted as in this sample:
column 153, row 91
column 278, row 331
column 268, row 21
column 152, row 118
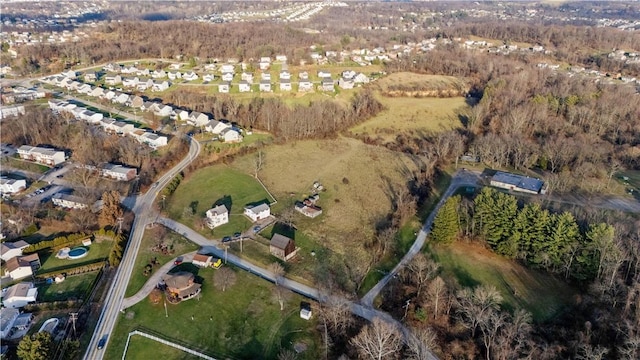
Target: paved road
column 143, row 209
column 460, row 179
column 111, row 109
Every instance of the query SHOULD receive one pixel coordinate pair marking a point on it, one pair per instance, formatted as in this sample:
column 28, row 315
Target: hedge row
column 57, row 243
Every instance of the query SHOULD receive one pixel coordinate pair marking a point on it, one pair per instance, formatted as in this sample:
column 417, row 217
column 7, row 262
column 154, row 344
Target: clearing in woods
column 539, row 293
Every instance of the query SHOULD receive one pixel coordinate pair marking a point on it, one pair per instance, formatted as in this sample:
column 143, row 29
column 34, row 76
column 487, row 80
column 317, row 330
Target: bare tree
column 278, row 272
column 436, row 291
column 420, row 344
column 224, row 277
column 476, row 305
column 259, row 162
column 420, row 270
column 378, row 340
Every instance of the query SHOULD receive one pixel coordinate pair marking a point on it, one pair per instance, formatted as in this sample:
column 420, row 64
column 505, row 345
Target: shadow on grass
column 283, row 229
column 226, row 201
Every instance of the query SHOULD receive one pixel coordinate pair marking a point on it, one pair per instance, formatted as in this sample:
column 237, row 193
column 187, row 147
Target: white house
column 113, row 79
column 8, row 317
column 208, row 77
column 163, row 110
column 69, row 201
column 70, row 74
column 265, row 86
column 258, row 212
column 224, row 87
column 153, row 140
column 345, row 83
column 244, row 86
column 361, row 78
column 285, row 75
column 264, row 65
column 159, row 74
column 19, row 295
column 119, row 172
column 217, row 216
column 198, row 119
column 190, row 76
column 41, row 155
column 227, row 77
column 230, row 135
column 227, row 68
column 305, row 85
column 22, row 266
column 282, row 58
column 202, row 260
column 160, row 85
column 11, row 186
column 285, row 85
column 216, row 127
column 248, row 77
column 122, row 128
column 9, row 250
column 174, row 75
column 120, row 98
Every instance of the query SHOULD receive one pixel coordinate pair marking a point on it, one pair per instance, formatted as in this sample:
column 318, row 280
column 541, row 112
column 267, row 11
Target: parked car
column 237, row 235
column 256, row 229
column 226, row 239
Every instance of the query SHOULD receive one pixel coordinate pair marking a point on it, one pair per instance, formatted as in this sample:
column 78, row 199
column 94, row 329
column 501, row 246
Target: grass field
column 244, row 322
column 416, row 115
column 418, row 82
column 23, row 165
column 141, row 348
column 76, row 286
column 219, row 183
column 358, row 179
column 539, row 293
column 99, row 250
column 178, row 243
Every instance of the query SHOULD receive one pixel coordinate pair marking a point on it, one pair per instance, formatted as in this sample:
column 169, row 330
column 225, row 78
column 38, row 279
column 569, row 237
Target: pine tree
column 35, row 347
column 496, row 212
column 446, row 224
column 563, row 237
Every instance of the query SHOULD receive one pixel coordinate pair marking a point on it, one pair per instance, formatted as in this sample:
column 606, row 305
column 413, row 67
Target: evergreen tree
column 598, row 246
column 446, row 224
column 497, row 212
column 36, row 347
column 111, row 209
column 564, row 236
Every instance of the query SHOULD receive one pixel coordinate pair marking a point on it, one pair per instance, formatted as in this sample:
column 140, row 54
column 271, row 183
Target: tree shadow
column 194, row 206
column 464, row 278
column 283, row 229
column 259, row 202
column 226, row 201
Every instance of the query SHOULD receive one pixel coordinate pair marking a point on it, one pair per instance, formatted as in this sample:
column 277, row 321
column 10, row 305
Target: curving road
column 460, row 178
column 143, row 209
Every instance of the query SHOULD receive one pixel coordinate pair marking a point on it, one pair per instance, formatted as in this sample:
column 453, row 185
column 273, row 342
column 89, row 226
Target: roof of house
column 7, row 317
column 179, row 280
column 21, row 261
column 201, row 258
column 258, row 208
column 6, row 246
column 280, row 241
column 19, row 290
column 220, row 209
column 522, row 182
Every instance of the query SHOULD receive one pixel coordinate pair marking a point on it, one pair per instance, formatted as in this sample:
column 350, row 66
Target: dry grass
column 349, row 207
column 539, row 293
column 404, row 114
column 419, row 81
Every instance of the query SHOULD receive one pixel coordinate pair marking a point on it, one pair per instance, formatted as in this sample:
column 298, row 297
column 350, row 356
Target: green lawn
column 23, row 165
column 216, row 184
column 142, row 348
column 76, row 286
column 541, row 294
column 245, row 322
column 98, row 251
column 178, row 243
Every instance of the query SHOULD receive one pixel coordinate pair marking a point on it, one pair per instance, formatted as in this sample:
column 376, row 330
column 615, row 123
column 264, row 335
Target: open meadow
column 539, row 293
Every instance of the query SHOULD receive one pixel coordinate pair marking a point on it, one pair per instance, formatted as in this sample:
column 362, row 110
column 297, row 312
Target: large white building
column 14, row 110
column 9, row 250
column 519, row 183
column 41, row 155
column 19, row 295
column 119, row 172
column 217, row 216
column 69, row 201
column 22, row 266
column 12, row 186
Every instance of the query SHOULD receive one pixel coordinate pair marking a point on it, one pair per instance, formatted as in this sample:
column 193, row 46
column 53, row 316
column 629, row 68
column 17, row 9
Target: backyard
column 175, row 244
column 219, row 184
column 244, row 322
column 76, row 286
column 98, row 251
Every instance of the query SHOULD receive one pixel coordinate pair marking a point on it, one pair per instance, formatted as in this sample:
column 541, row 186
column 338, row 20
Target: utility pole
column 120, row 219
column 166, row 314
column 406, row 308
column 74, row 317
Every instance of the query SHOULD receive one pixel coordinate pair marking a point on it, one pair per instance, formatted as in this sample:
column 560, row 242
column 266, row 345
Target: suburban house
column 519, row 183
column 190, row 76
column 230, row 135
column 227, row 68
column 160, row 85
column 19, row 295
column 69, row 74
column 175, row 66
column 8, row 317
column 305, row 85
column 216, row 127
column 282, row 247
column 41, row 155
column 181, row 285
column 345, row 83
column 217, row 216
column 112, row 79
column 130, row 81
column 308, row 206
column 198, row 119
column 202, row 260
column 153, row 140
column 248, row 77
column 305, row 311
column 112, row 67
column 244, row 86
column 264, row 65
column 84, row 89
column 361, row 78
column 136, row 101
column 119, row 172
column 163, row 110
column 143, row 72
column 22, row 266
column 144, row 84
column 227, row 76
column 69, row 201
column 208, row 78
column 90, row 76
column 172, row 75
column 281, row 58
column 224, row 87
column 11, row 186
column 285, row 75
column 285, row 85
column 158, row 74
column 258, row 212
column 265, row 76
column 324, row 74
column 120, row 98
column 265, row 86
column 122, row 127
column 9, row 250
column 327, row 84
column 183, row 115
column 14, row 110
column 97, row 92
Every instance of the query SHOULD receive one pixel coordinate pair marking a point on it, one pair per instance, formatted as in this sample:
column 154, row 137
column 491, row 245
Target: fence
column 165, row 342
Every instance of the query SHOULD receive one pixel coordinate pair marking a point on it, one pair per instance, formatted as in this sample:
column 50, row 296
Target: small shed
column 282, row 247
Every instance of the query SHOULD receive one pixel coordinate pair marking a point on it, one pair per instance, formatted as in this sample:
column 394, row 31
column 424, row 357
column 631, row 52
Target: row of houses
column 108, row 124
column 219, row 215
column 11, row 111
column 11, row 186
column 41, row 155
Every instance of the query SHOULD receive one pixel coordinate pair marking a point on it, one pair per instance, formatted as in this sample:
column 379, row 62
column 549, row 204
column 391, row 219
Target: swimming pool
column 77, row 253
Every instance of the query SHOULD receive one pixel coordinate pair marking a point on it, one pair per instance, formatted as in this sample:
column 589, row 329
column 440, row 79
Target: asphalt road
column 143, row 209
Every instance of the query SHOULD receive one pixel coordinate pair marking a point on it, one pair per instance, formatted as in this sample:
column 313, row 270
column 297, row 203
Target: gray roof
column 258, row 208
column 220, row 209
column 6, row 317
column 280, row 241
column 519, row 181
column 19, row 289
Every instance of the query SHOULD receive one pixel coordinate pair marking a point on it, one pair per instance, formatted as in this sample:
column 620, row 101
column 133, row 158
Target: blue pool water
column 77, row 253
